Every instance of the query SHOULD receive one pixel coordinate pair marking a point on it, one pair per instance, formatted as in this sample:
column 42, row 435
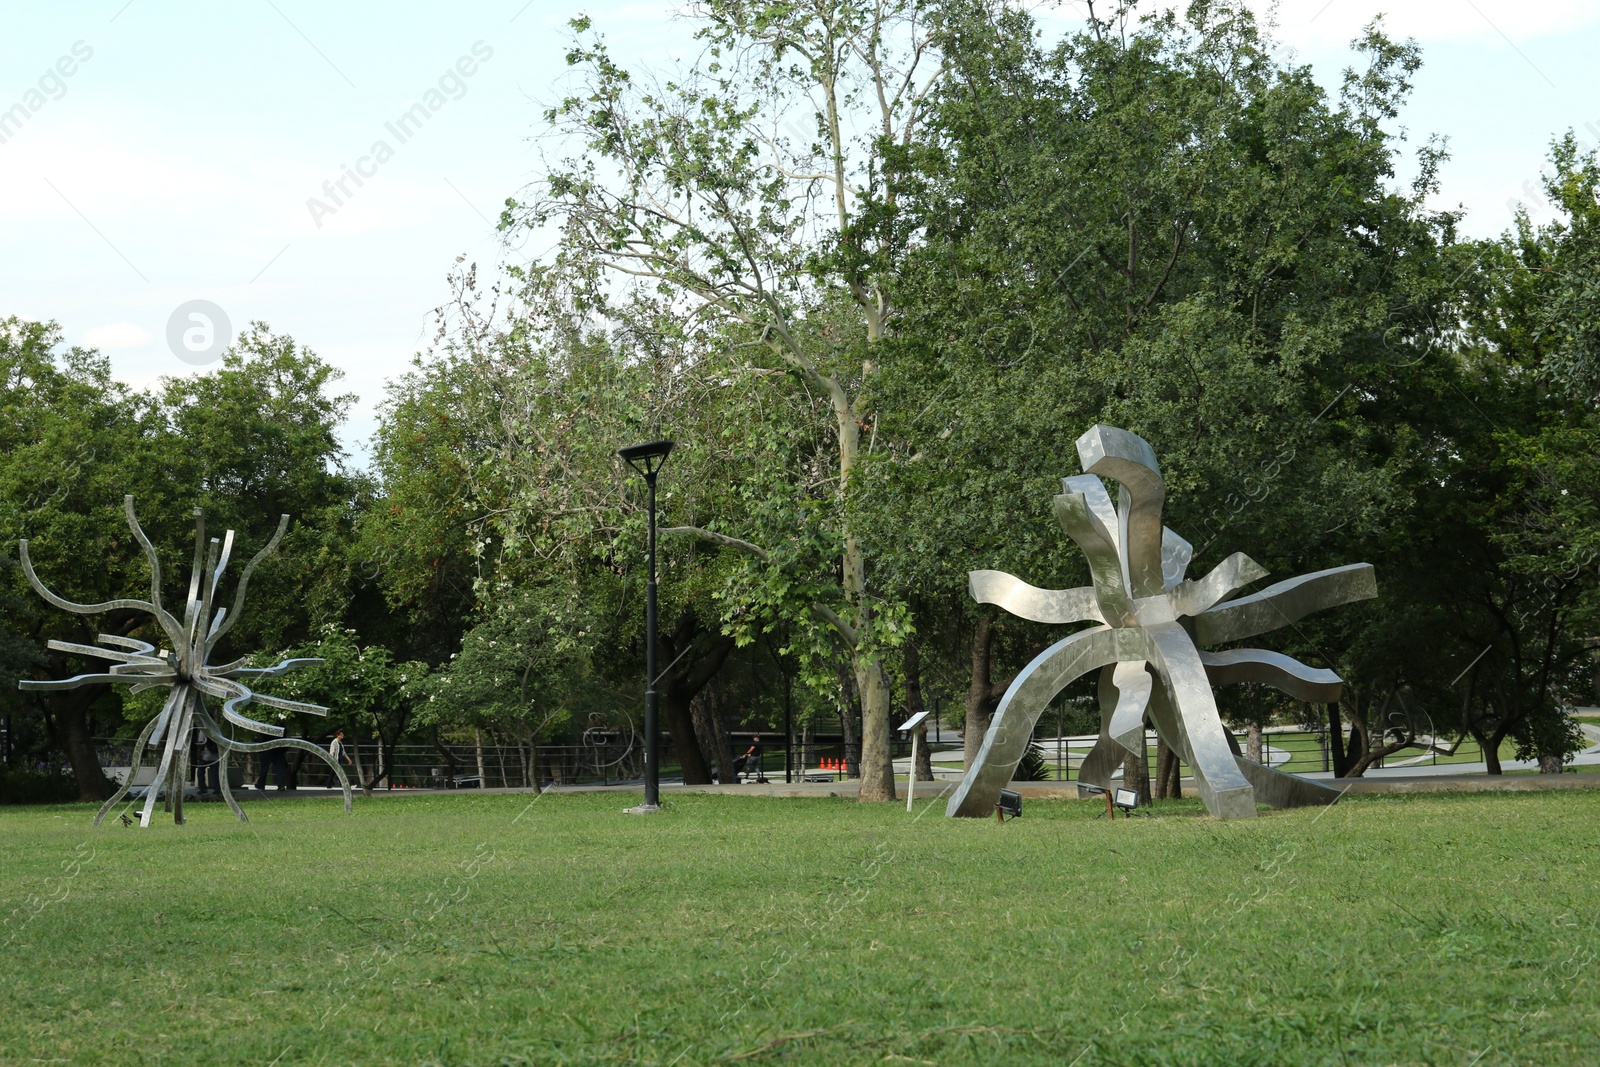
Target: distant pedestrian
column 277, row 762
column 203, row 757
column 336, row 750
column 206, row 772
column 750, row 762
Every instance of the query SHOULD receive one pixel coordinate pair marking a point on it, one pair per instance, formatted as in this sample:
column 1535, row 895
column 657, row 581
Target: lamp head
column 648, row 457
column 1010, row 804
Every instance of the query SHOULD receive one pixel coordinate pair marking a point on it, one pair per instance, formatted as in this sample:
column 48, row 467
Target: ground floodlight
column 1126, row 799
column 1088, row 791
column 1010, row 803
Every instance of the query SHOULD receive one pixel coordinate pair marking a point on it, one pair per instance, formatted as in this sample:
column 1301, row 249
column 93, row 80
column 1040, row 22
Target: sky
column 173, row 159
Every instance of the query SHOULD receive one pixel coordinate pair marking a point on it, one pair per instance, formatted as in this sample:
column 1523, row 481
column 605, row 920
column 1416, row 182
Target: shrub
column 1032, row 767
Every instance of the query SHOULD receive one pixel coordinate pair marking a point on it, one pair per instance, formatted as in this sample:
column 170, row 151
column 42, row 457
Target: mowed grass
column 1442, row 929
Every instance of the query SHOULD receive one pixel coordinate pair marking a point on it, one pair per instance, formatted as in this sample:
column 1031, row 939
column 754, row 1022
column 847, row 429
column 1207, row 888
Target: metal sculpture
column 185, row 669
column 1151, row 625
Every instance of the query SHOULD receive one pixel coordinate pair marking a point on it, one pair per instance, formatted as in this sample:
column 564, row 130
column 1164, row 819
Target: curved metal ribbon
column 1030, row 693
column 244, row 584
column 1287, row 601
column 1099, row 547
column 1283, row 673
column 1016, row 597
column 1130, row 461
column 133, row 769
column 1199, row 594
column 1133, row 685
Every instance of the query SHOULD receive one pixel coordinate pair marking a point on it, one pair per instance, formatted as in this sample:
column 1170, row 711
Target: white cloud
column 1321, row 23
column 115, row 335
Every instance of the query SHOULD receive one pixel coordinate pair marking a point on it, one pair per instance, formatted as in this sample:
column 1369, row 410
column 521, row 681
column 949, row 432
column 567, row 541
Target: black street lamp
column 648, row 459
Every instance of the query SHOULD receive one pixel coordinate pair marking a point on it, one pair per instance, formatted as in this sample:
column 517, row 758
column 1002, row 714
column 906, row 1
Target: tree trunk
column 1252, row 742
column 849, row 711
column 449, row 757
column 808, row 748
column 1136, row 772
column 1552, row 765
column 353, row 747
column 1338, row 760
column 477, row 750
column 1491, row 752
column 694, row 656
column 1167, row 785
column 983, row 696
column 706, row 710
column 71, row 722
column 876, row 761
column 676, row 709
column 923, row 770
column 875, row 767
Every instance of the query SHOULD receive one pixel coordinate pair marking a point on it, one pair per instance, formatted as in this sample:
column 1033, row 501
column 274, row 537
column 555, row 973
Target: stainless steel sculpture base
column 185, row 669
column 1150, row 625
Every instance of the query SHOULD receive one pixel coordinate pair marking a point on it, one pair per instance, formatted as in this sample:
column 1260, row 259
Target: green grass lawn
column 1440, row 929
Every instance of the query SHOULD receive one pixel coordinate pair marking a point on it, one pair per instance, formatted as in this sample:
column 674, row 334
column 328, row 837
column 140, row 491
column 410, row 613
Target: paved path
column 1447, row 777
column 1589, row 757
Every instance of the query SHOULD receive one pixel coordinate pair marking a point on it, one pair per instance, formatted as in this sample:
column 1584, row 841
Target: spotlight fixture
column 1088, row 791
column 1010, row 804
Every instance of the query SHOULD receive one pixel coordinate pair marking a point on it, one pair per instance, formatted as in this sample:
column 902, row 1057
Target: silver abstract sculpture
column 1151, row 626
column 185, row 669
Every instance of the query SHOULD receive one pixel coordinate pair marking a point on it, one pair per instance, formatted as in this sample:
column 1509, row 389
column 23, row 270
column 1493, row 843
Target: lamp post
column 648, row 459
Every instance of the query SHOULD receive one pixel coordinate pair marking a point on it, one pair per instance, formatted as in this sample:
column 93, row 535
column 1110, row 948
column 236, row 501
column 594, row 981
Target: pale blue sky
column 176, row 161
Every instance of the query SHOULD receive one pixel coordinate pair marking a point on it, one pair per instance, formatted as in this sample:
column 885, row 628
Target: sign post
column 911, row 779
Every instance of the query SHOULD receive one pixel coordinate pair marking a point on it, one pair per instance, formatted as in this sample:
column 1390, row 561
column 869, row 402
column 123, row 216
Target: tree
column 245, row 442
column 1159, row 226
column 72, row 442
column 748, row 197
column 364, row 689
column 1520, row 486
column 256, row 438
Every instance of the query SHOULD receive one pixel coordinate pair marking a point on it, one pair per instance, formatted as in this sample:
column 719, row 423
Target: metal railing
column 605, row 761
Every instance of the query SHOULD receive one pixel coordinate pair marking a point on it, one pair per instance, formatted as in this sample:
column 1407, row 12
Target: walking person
column 203, row 757
column 206, row 772
column 750, row 762
column 336, row 749
column 278, row 764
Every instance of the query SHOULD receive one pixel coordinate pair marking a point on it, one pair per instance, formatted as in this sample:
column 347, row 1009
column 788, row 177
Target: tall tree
column 749, row 196
column 1158, row 225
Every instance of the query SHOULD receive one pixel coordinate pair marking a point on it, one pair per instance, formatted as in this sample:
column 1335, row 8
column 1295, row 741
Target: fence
column 604, row 761
column 1286, row 748
column 610, row 761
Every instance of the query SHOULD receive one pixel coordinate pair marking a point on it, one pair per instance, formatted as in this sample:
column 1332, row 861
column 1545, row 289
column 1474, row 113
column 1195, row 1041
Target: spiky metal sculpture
column 186, row 669
column 1150, row 626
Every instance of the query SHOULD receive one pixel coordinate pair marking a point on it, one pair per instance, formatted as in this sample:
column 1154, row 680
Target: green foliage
column 362, row 685
column 1032, row 767
column 523, row 670
column 35, row 787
